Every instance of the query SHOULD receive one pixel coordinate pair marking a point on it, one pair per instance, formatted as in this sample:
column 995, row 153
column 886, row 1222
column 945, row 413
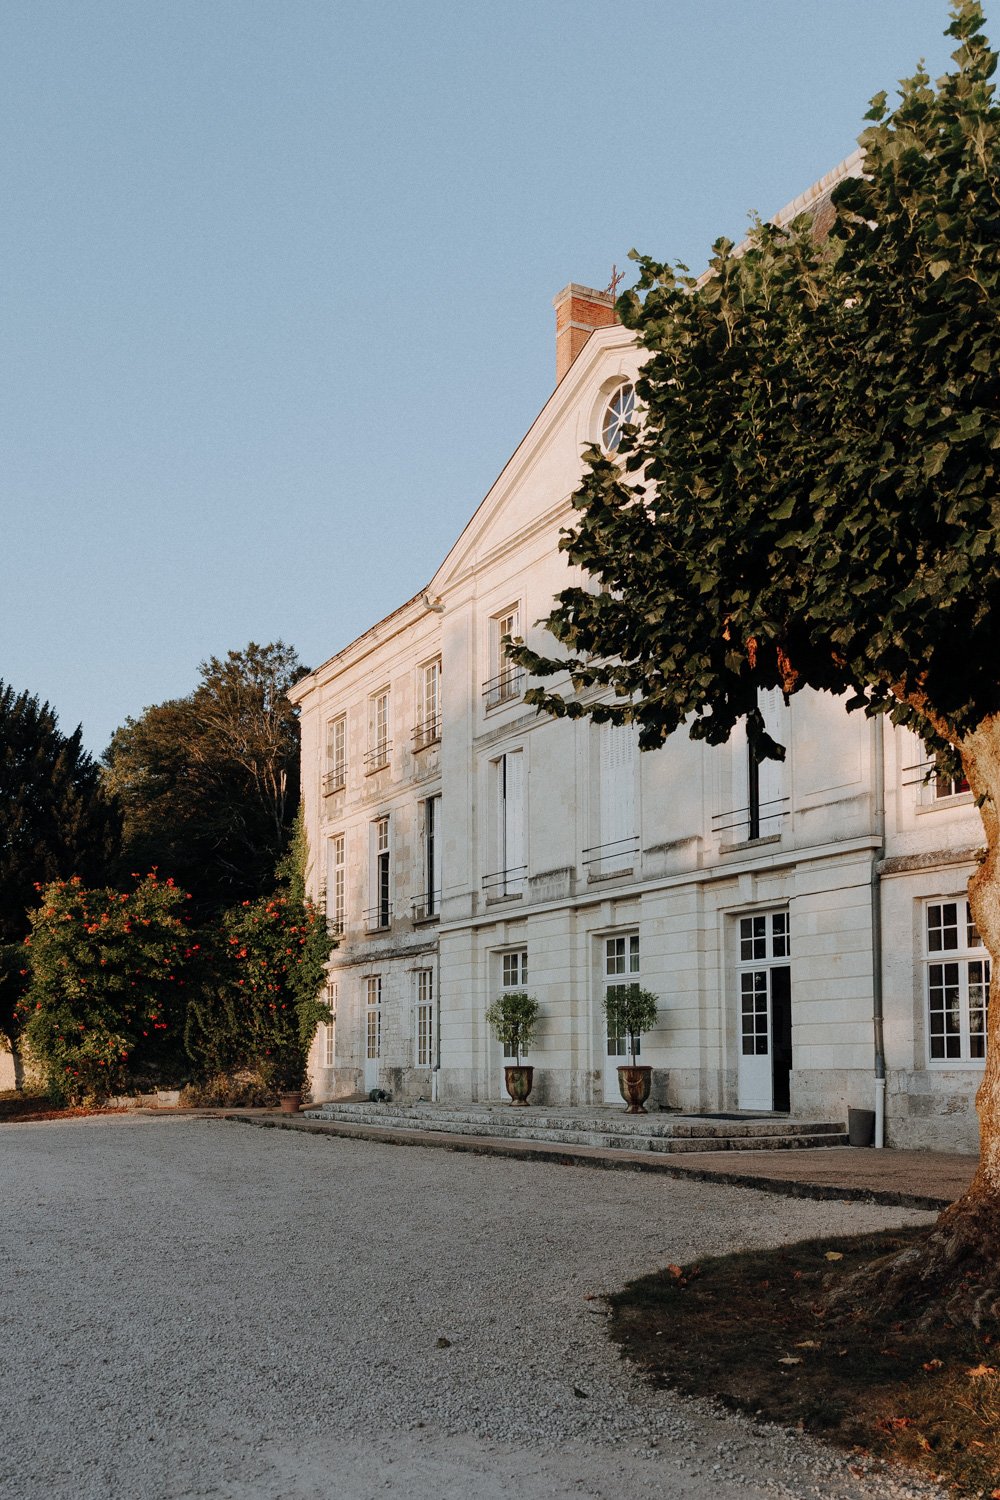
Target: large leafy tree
column 812, row 499
column 55, row 822
column 209, row 783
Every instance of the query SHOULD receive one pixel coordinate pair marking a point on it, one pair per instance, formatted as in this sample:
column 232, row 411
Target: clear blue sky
column 277, row 281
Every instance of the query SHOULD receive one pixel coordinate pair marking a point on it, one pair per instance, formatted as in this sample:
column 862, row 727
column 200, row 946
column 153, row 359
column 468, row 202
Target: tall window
column 513, row 976
column 379, row 743
column 621, row 967
column 335, row 884
column 428, row 903
column 958, row 984
column 373, row 1017
column 379, row 914
column 330, row 1029
column 507, row 877
column 428, row 725
column 335, row 774
column 424, row 979
column 505, row 679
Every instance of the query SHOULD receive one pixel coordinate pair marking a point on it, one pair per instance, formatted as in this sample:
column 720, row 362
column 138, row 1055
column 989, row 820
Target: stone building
column 462, row 844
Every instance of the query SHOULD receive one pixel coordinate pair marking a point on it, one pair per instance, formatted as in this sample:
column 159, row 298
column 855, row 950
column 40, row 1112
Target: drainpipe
column 877, row 932
column 436, row 1070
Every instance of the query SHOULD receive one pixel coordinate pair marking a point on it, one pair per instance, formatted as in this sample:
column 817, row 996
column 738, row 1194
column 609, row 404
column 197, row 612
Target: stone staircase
column 606, row 1128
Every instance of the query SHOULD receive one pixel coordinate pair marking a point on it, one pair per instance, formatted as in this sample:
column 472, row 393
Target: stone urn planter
column 634, row 1084
column 517, row 1081
column 630, row 1010
column 513, row 1018
column 291, row 1103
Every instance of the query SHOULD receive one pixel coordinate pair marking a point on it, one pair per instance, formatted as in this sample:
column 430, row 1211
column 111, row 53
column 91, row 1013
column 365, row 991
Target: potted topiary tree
column 631, row 1010
column 513, row 1017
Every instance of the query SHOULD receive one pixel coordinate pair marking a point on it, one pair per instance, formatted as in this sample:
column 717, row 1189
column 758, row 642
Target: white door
column 620, row 966
column 765, row 1015
column 756, row 1091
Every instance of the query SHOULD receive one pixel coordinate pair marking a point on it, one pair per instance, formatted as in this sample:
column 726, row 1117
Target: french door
column 765, row 1012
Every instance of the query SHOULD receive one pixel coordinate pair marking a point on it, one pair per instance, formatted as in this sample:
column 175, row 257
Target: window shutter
column 513, row 810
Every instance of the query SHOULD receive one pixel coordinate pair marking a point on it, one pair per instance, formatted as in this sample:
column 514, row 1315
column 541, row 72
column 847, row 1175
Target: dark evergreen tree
column 56, row 821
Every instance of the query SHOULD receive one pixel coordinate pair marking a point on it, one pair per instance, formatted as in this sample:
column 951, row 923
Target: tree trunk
column 954, row 1273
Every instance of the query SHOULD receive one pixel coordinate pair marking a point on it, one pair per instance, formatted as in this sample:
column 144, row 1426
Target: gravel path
column 199, row 1309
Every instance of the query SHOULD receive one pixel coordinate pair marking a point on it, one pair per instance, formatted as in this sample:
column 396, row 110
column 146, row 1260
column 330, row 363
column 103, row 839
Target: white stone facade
column 452, row 828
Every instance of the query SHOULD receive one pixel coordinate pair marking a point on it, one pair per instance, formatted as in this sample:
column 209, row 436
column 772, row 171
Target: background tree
column 812, row 500
column 209, row 784
column 55, row 821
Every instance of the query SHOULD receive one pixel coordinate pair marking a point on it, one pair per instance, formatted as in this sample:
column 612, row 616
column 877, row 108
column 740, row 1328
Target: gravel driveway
column 195, row 1308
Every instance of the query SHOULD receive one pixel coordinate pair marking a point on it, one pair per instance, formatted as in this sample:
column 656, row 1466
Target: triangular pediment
column 545, row 468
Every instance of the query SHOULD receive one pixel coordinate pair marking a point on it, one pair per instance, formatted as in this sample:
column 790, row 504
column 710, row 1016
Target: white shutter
column 434, row 812
column 513, row 818
column 617, row 795
column 772, row 772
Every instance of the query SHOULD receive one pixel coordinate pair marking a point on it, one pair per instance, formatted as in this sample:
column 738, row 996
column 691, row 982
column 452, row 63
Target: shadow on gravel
column 749, row 1330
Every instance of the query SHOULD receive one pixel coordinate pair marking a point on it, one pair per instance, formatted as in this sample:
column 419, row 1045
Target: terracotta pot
column 634, row 1085
column 517, row 1081
column 291, row 1103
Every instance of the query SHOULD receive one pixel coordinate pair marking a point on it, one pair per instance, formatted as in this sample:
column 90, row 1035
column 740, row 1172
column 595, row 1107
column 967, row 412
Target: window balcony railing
column 934, row 783
column 335, row 927
column 377, row 758
column 335, row 779
column 427, row 733
column 378, row 918
column 506, row 687
column 427, row 906
column 503, row 885
column 741, row 824
column 617, row 854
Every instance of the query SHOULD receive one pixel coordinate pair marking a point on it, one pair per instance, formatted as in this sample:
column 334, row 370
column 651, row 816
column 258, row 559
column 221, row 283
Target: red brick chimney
column 579, row 310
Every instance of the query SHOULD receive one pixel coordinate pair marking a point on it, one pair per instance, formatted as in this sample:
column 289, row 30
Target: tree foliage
column 812, row 496
column 104, row 1007
column 55, row 821
column 513, row 1017
column 630, row 1010
column 209, row 783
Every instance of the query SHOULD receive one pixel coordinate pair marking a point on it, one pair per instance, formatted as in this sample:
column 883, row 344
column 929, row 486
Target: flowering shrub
column 105, row 998
column 263, row 1013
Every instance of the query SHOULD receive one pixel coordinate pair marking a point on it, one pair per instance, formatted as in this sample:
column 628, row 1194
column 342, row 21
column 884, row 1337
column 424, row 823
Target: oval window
column 619, row 411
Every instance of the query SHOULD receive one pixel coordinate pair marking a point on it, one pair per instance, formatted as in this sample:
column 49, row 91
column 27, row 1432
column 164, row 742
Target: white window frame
column 336, row 884
column 379, row 731
column 956, row 983
column 427, row 730
column 423, row 1000
column 622, row 964
column 505, row 683
column 335, row 772
column 512, row 966
column 379, row 915
column 330, row 1028
column 373, row 1017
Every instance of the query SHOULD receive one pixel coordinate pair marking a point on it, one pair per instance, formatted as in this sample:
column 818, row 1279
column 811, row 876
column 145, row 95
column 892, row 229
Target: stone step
column 638, row 1134
column 485, row 1119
